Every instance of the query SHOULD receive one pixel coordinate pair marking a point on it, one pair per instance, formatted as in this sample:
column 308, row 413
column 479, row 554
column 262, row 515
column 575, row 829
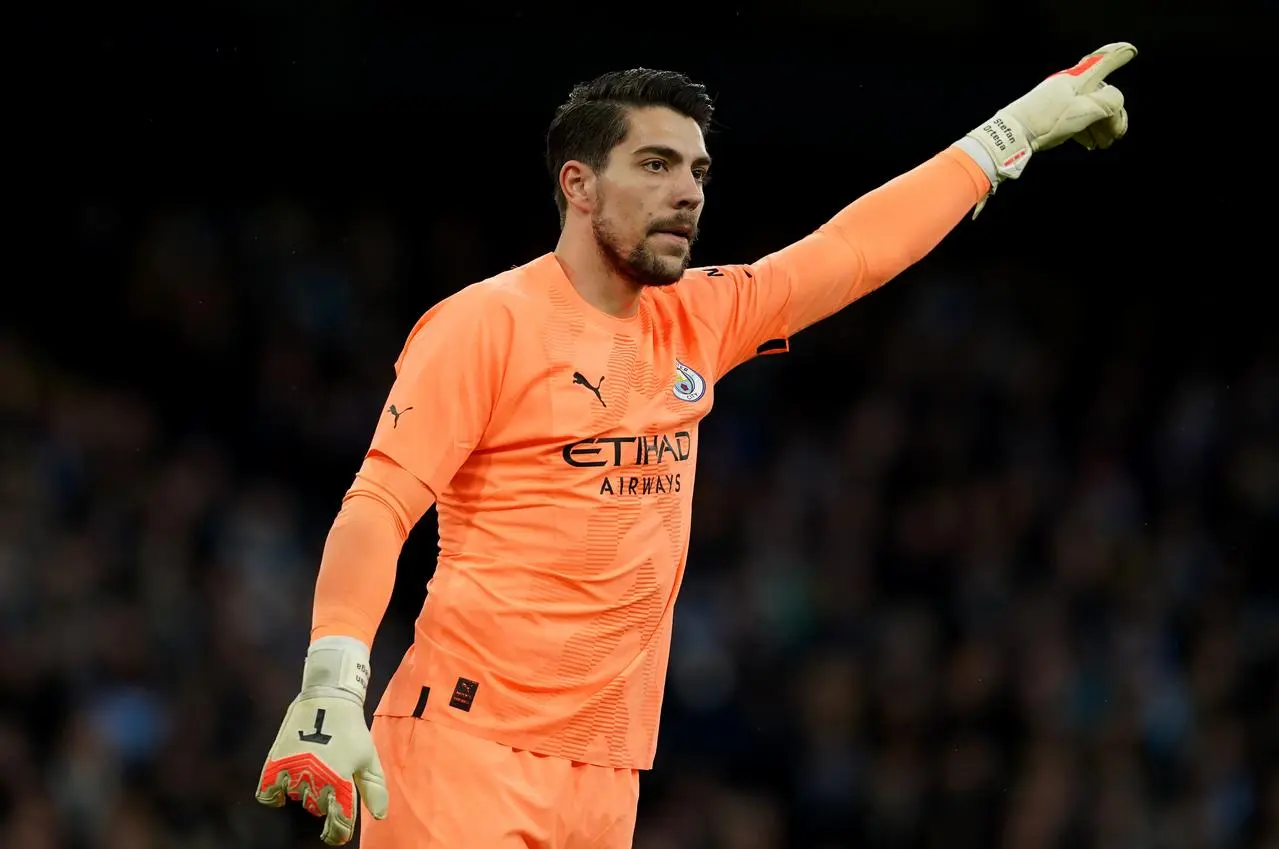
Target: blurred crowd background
column 989, row 560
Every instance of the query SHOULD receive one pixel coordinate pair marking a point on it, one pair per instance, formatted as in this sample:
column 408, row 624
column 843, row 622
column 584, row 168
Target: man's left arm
column 875, row 238
column 755, row 309
column 872, row 240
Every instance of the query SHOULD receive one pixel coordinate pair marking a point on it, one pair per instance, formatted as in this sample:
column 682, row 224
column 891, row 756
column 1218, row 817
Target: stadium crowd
column 1003, row 577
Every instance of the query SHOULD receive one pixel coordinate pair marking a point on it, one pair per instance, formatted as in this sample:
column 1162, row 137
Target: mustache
column 688, row 224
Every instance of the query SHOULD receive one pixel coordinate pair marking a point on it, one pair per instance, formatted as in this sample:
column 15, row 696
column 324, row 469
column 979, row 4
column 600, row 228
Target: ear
column 578, row 183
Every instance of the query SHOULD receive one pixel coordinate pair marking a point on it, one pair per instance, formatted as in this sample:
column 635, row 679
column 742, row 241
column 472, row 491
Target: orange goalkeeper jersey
column 562, row 443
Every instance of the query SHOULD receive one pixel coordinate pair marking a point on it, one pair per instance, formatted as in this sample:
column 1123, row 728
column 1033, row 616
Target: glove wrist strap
column 337, row 662
column 1002, row 147
column 978, row 153
column 1007, row 142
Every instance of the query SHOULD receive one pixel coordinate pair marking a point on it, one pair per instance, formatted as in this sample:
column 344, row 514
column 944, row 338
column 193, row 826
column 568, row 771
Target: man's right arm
column 357, row 570
column 447, row 382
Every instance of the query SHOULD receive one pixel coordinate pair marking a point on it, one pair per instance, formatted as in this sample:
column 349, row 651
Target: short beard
column 639, row 265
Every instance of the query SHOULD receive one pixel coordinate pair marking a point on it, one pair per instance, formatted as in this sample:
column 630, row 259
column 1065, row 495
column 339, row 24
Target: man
column 551, row 414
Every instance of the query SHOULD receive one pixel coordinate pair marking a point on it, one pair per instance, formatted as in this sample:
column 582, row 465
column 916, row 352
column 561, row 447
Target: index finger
column 1093, row 69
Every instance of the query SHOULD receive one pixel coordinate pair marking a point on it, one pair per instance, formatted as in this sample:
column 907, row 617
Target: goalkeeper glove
column 324, row 751
column 1073, row 104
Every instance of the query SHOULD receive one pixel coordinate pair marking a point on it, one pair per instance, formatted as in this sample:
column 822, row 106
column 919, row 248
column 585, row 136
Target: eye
column 655, row 165
column 702, row 175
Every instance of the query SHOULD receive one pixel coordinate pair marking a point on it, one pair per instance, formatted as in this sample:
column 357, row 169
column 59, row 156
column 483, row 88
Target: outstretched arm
column 875, row 238
column 755, row 309
column 758, row 307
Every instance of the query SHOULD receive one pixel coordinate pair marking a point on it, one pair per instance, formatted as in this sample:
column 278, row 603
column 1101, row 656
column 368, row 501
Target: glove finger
column 1116, row 126
column 1106, row 131
column 1086, row 138
column 309, row 792
column 371, row 781
column 339, row 824
column 273, row 788
column 1102, row 136
column 1093, row 69
column 1109, row 99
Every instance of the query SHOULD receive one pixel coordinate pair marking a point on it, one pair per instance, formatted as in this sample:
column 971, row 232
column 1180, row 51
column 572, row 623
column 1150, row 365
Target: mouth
column 681, row 232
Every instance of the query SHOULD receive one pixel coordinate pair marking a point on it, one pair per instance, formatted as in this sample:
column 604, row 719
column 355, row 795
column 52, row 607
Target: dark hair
column 594, row 120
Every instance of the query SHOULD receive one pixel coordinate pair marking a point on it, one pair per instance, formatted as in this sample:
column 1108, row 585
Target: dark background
column 987, row 561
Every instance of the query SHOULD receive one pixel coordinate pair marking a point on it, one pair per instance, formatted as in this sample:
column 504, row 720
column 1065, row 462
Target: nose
column 688, row 192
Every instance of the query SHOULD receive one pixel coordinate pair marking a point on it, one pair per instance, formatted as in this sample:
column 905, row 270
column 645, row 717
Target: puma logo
column 582, row 381
column 396, row 414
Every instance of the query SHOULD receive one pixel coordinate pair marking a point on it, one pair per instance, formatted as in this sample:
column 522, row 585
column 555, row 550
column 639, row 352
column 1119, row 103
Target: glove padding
column 323, row 755
column 1076, row 104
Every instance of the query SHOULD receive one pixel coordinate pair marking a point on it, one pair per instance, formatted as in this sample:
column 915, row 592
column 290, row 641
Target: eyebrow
column 672, row 154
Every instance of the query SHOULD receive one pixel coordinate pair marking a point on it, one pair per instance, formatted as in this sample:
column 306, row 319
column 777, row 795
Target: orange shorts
column 450, row 789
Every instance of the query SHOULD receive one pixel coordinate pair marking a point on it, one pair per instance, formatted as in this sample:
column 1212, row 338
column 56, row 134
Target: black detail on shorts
column 421, row 702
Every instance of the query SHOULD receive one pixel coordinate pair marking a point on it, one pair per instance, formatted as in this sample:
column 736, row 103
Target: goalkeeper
column 551, row 414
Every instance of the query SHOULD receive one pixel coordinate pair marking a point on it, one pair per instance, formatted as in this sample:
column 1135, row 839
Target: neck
column 594, row 279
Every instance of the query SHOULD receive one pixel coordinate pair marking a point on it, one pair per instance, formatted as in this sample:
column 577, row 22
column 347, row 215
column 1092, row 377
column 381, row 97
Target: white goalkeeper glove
column 1073, row 104
column 324, row 755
